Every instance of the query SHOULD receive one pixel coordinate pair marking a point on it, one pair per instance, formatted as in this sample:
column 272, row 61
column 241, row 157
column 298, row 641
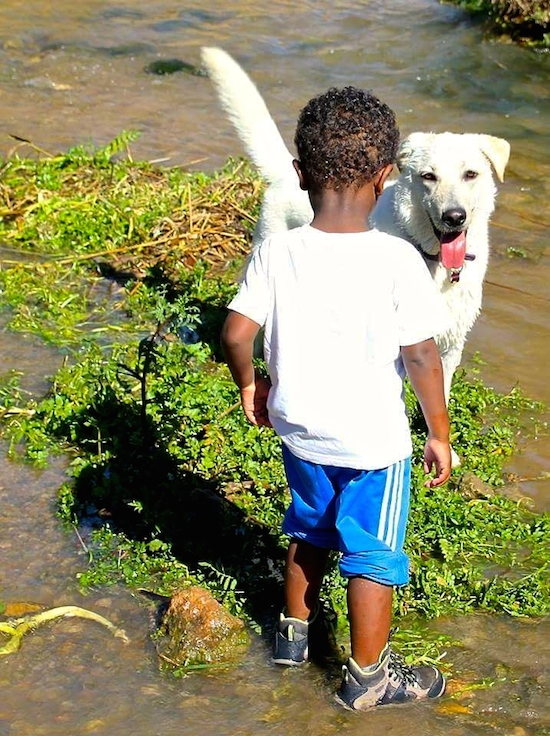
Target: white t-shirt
column 335, row 310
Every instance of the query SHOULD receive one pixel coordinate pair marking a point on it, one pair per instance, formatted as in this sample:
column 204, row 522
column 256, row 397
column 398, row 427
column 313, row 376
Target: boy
column 346, row 311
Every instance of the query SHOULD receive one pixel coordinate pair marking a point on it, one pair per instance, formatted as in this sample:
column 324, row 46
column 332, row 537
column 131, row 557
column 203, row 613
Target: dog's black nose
column 455, row 217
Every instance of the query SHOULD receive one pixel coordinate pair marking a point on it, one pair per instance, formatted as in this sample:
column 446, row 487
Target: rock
column 514, row 493
column 470, row 486
column 171, row 66
column 197, row 630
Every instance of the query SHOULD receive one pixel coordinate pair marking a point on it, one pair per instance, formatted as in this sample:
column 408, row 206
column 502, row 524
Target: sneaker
column 291, row 641
column 390, row 680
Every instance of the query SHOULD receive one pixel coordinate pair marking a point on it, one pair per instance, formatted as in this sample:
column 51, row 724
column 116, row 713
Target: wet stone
column 470, row 486
column 197, row 630
column 171, row 66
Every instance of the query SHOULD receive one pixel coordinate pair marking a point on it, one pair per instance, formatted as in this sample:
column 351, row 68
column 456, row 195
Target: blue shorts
column 361, row 513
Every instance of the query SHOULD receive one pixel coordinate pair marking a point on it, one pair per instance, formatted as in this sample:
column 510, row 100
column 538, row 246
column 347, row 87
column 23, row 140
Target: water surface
column 74, row 73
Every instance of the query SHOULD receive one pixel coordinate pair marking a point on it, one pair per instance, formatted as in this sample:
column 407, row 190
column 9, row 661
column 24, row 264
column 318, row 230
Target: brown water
column 72, row 73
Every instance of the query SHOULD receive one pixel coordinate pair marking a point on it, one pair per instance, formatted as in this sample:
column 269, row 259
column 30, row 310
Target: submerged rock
column 171, row 66
column 472, row 487
column 197, row 630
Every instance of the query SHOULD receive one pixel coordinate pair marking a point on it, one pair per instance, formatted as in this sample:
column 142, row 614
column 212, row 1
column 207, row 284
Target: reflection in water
column 79, row 75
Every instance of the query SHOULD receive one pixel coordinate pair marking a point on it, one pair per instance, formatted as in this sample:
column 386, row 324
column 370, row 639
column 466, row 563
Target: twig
column 14, row 410
column 25, row 142
column 84, row 547
column 518, row 291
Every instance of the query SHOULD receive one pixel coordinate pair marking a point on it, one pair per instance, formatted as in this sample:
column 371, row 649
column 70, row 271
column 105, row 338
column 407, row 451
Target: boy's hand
column 254, row 401
column 438, row 454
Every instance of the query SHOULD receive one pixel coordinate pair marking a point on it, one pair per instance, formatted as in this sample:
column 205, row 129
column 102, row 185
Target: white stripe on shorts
column 399, row 494
column 391, row 504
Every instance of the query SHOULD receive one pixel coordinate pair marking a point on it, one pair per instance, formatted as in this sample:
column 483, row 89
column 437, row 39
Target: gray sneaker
column 291, row 642
column 389, row 681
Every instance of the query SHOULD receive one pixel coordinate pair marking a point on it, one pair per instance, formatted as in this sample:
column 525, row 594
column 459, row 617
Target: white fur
column 410, row 207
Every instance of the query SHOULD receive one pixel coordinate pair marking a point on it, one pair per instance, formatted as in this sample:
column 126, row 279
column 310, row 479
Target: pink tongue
column 453, row 249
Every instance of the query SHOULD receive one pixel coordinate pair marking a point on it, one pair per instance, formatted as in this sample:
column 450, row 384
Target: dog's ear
column 408, row 145
column 497, row 151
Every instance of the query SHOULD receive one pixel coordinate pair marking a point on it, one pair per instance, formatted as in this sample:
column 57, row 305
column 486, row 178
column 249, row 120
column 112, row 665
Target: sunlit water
column 73, row 73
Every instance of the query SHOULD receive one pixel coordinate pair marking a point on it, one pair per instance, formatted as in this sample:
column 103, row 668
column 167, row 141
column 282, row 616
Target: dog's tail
column 248, row 114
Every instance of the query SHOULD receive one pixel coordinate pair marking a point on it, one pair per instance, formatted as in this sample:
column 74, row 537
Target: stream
column 77, row 74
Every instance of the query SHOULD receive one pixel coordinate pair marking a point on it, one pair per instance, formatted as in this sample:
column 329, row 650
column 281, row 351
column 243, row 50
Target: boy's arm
column 423, row 365
column 237, row 340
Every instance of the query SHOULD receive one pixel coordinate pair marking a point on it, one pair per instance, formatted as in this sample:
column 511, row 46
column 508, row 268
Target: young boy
column 346, row 311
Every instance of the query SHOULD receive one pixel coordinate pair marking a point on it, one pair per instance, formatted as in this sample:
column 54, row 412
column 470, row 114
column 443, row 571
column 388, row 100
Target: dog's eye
column 428, row 176
column 471, row 174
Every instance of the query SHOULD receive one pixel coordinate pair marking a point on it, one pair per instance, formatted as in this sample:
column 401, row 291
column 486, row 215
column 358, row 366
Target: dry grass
column 523, row 18
column 74, row 208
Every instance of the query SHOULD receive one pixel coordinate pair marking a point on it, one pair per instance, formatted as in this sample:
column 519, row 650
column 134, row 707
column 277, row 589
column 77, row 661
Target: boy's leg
column 305, row 568
column 371, row 521
column 309, row 521
column 374, row 674
column 369, row 612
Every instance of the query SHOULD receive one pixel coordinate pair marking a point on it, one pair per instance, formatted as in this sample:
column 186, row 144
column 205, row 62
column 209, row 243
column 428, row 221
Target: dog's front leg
column 450, row 360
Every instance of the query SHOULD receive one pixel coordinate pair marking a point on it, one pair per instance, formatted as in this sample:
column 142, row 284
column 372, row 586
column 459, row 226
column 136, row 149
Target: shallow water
column 72, row 73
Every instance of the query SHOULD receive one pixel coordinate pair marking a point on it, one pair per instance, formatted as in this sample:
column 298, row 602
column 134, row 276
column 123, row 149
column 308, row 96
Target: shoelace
column 397, row 666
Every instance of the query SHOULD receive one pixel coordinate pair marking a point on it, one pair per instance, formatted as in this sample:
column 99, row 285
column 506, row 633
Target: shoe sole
column 339, row 700
column 288, row 662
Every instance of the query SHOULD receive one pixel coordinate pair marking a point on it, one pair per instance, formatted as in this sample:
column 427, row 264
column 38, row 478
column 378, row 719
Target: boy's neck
column 346, row 211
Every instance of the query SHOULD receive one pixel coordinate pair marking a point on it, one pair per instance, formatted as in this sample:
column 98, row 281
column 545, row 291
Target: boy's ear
column 380, row 179
column 301, row 176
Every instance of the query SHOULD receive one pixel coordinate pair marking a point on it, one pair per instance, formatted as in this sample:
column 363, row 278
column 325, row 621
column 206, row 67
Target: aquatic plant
column 13, row 630
column 524, row 21
column 177, row 486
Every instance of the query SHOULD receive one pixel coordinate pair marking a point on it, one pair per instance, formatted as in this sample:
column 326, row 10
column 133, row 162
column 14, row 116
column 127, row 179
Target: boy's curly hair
column 344, row 137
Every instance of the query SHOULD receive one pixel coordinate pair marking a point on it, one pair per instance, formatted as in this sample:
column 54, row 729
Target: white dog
column 441, row 202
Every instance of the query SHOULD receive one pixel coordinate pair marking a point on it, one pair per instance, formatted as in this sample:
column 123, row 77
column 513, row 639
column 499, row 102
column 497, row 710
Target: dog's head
column 446, row 188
